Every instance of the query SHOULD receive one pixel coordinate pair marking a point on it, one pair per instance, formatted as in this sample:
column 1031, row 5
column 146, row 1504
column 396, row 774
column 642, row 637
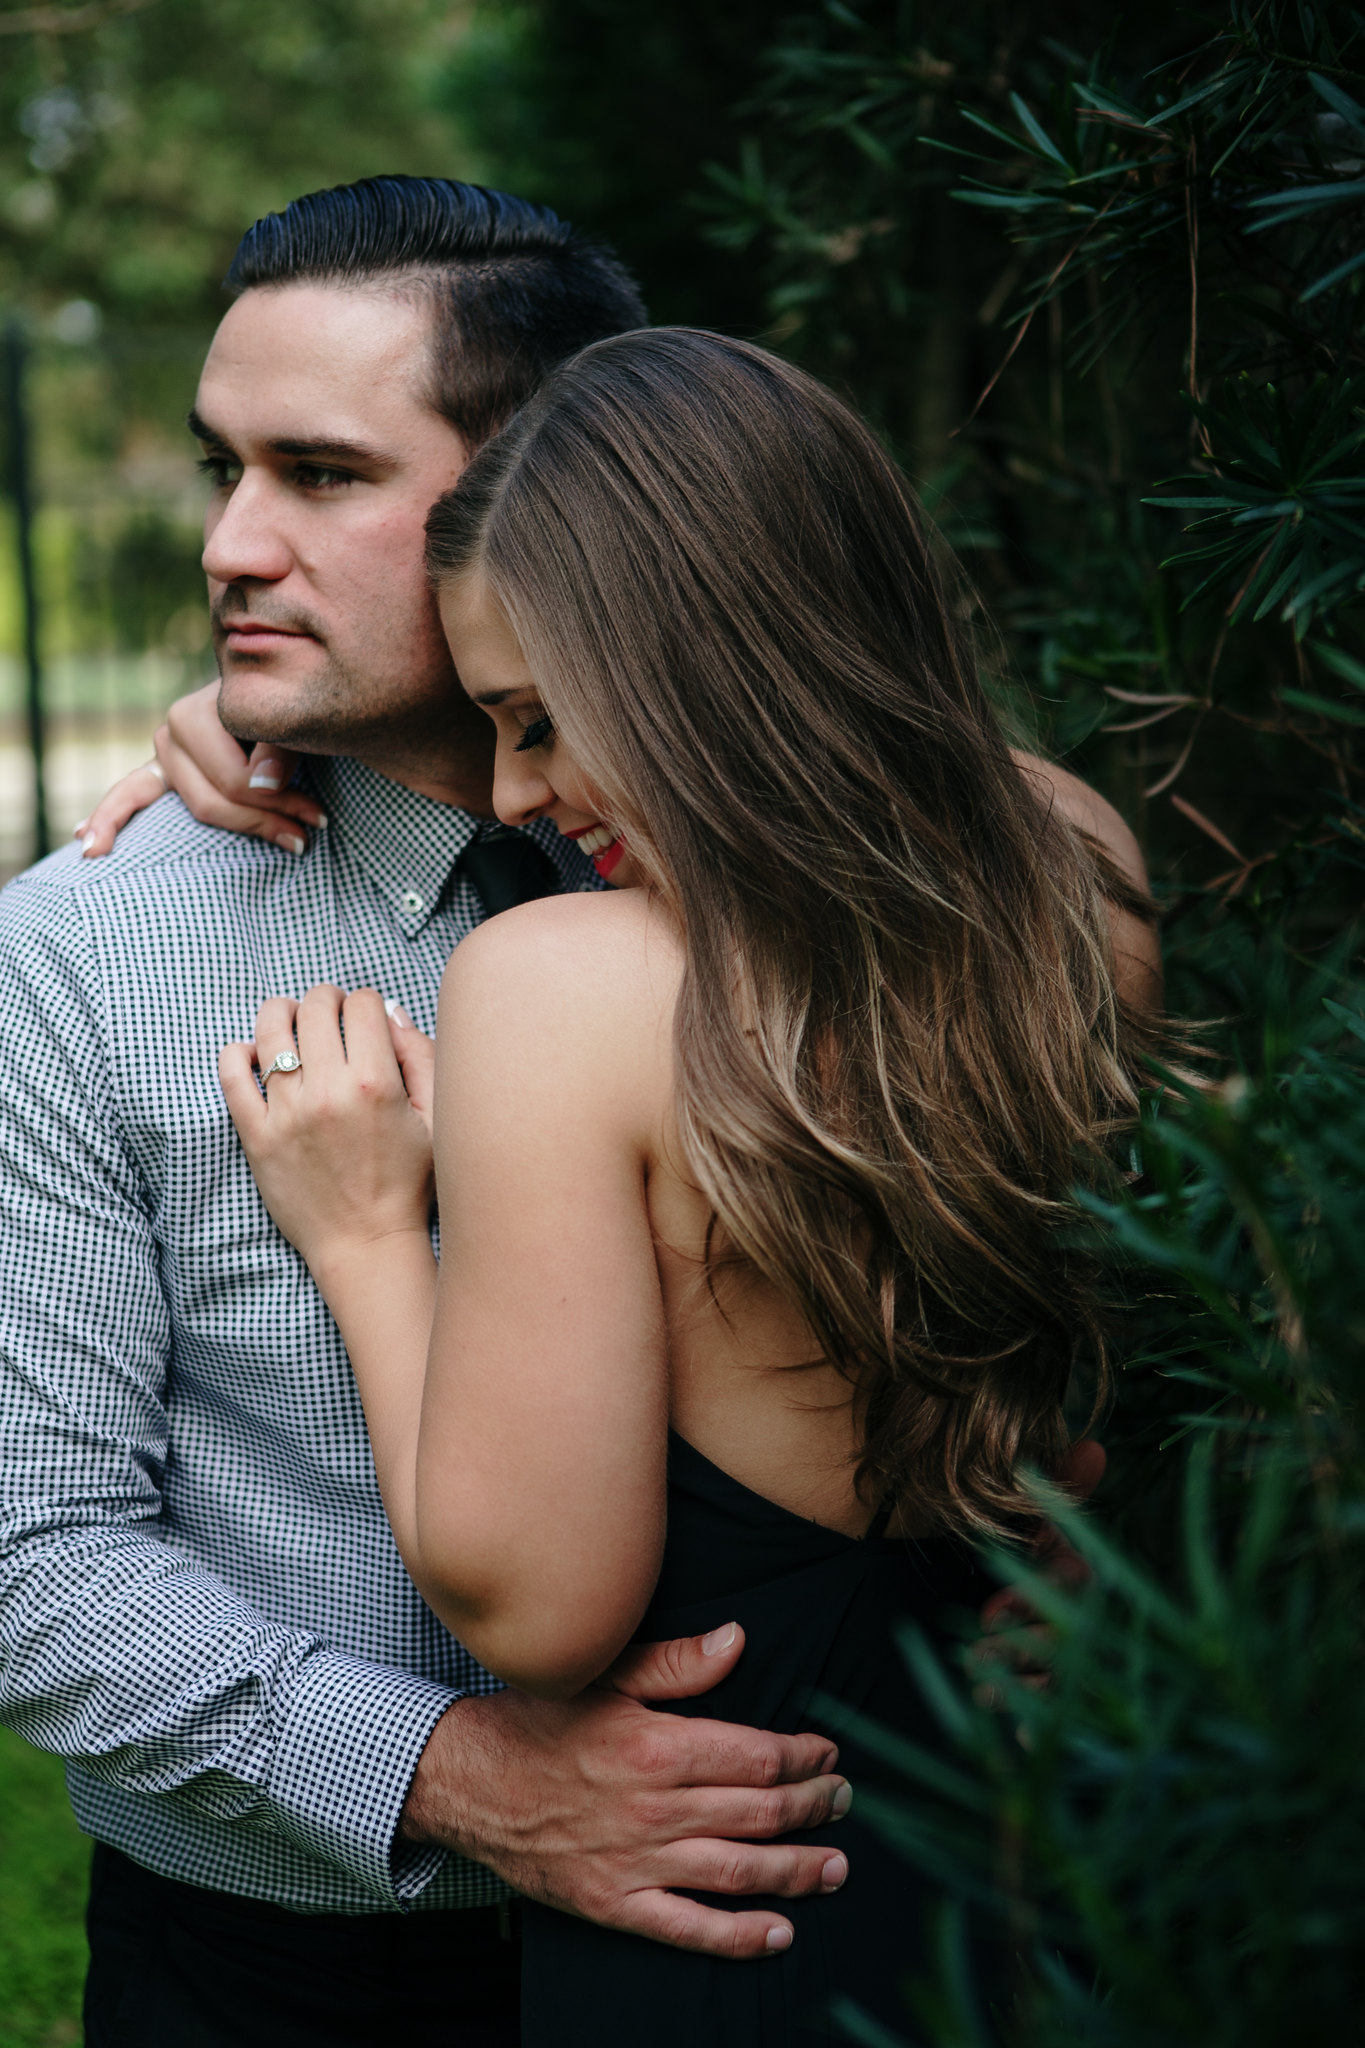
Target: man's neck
column 465, row 785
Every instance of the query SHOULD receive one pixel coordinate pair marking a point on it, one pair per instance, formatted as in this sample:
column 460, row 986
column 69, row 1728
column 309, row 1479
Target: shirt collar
column 408, row 845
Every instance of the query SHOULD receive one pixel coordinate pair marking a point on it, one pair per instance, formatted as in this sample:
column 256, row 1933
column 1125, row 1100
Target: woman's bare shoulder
column 1091, row 813
column 622, row 933
column 584, row 982
column 1137, row 949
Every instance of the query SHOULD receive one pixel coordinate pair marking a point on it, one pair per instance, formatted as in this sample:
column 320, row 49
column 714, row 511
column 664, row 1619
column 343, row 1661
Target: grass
column 44, row 1863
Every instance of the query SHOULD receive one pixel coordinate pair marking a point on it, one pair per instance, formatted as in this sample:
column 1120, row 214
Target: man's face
column 325, row 456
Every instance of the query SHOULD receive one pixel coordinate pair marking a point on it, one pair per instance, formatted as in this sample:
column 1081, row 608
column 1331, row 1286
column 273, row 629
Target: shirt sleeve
column 117, row 1651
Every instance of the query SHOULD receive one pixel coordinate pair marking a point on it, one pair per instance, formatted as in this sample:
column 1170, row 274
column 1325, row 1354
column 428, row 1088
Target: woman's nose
column 520, row 790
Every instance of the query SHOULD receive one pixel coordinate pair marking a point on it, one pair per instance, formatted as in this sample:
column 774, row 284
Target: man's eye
column 535, row 735
column 316, row 476
column 221, row 471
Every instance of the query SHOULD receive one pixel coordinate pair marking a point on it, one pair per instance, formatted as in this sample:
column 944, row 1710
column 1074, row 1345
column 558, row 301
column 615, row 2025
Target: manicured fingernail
column 322, row 821
column 79, row 827
column 719, row 1639
column 87, row 842
column 266, row 775
column 843, row 1799
column 292, row 841
column 834, row 1873
column 779, row 1938
column 393, row 1008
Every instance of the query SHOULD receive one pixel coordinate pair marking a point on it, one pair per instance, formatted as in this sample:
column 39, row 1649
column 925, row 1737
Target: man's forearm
column 156, row 1679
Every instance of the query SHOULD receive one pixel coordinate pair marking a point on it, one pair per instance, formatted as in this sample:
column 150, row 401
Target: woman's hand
column 208, row 771
column 340, row 1146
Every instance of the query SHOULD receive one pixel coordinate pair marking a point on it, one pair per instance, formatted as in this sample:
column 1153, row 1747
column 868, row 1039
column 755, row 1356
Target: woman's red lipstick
column 606, row 860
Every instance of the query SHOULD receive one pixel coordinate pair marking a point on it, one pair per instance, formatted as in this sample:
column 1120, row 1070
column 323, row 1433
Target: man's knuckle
column 654, row 1816
column 736, row 1872
column 763, row 1815
column 646, row 1753
column 767, row 1762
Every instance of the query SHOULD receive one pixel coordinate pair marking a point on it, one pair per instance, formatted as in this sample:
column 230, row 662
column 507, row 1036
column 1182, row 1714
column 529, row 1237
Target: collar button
column 411, row 903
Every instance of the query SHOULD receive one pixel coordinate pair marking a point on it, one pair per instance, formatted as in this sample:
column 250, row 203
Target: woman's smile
column 602, row 844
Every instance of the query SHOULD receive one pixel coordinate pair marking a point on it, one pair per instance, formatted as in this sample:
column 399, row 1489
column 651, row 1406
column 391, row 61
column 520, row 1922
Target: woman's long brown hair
column 898, row 1043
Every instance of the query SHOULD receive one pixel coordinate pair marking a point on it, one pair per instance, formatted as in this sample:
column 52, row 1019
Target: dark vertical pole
column 21, row 489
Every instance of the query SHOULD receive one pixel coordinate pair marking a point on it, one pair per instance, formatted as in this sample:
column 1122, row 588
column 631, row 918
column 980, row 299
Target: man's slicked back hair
column 514, row 289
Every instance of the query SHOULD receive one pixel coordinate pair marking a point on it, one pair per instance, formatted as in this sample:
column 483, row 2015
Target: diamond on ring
column 283, row 1063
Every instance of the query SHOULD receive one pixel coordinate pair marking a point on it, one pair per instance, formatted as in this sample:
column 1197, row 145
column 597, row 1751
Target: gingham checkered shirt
column 201, row 1605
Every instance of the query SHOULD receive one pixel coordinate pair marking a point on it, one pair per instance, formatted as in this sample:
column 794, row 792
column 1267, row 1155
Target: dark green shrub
column 1160, row 484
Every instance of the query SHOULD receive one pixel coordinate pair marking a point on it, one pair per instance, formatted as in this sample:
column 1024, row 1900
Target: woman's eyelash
column 535, row 735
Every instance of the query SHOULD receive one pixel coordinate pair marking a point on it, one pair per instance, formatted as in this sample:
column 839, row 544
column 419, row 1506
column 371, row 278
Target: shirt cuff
column 351, row 1737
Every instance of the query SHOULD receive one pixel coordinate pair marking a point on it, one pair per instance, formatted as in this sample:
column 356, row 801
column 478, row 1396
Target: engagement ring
column 283, row 1063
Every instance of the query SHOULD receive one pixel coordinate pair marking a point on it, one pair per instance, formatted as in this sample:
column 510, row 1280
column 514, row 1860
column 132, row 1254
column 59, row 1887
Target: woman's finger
column 1082, row 1469
column 369, row 1046
column 206, row 801
column 207, row 769
column 130, row 794
column 416, row 1059
column 274, row 1035
column 270, row 768
column 318, row 1027
column 246, row 1107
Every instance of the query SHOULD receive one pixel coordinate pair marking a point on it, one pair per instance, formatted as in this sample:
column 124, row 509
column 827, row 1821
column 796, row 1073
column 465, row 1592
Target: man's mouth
column 601, row 844
column 257, row 636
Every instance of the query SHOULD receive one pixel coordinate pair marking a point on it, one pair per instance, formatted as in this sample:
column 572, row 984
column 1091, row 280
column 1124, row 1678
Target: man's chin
column 257, row 702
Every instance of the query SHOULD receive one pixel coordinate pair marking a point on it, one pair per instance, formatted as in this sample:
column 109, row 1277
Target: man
column 278, row 1750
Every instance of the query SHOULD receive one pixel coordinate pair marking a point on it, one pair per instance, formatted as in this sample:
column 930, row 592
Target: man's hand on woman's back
column 608, row 1808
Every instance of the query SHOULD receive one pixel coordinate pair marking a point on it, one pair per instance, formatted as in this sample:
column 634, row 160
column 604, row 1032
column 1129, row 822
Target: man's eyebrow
column 334, row 451
column 320, row 451
column 202, row 431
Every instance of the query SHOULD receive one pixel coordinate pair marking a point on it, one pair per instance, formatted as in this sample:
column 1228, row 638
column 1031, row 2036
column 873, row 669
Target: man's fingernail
column 779, row 1938
column 843, row 1799
column 834, row 1873
column 393, row 1008
column 719, row 1639
column 87, row 842
column 292, row 841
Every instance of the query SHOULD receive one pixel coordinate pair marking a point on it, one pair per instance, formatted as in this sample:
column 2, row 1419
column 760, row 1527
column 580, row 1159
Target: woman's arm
column 521, row 1459
column 541, row 1462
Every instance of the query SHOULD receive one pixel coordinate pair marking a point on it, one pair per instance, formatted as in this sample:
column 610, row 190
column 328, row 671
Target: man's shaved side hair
column 514, row 289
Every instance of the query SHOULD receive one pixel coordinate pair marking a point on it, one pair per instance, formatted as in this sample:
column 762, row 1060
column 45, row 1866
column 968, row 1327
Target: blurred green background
column 1097, row 278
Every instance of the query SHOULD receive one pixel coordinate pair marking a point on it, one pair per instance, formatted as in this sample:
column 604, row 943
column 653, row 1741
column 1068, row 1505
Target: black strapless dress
column 818, row 1611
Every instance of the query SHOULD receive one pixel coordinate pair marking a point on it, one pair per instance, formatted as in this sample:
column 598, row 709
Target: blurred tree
column 137, row 140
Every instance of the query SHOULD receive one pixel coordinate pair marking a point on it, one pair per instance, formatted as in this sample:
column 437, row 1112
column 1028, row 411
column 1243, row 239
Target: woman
column 753, row 1299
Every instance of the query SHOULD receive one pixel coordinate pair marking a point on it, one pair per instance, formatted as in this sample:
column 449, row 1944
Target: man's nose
column 520, row 791
column 244, row 537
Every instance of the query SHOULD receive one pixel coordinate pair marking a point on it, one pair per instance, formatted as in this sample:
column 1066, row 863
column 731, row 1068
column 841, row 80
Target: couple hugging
column 363, row 1592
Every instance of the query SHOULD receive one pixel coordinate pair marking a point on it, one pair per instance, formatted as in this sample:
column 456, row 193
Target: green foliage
column 132, row 155
column 605, row 109
column 145, row 580
column 43, row 1865
column 1099, row 294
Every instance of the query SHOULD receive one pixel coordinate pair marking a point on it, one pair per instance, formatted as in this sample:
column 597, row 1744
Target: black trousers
column 175, row 1966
